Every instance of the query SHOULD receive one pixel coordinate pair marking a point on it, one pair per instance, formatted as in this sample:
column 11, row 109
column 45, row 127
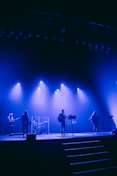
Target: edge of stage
column 52, row 136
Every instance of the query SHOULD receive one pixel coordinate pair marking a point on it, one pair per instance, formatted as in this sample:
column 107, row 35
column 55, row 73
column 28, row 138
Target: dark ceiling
column 86, row 17
column 82, row 19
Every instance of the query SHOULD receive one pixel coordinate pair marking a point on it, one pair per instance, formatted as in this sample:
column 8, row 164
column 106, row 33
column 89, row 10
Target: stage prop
column 40, row 124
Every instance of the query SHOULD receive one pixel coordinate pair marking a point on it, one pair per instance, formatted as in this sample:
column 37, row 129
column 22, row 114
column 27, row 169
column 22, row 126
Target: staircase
column 89, row 157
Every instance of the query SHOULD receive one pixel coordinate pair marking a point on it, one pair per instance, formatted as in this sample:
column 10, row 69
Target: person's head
column 94, row 113
column 10, row 114
column 26, row 112
column 62, row 110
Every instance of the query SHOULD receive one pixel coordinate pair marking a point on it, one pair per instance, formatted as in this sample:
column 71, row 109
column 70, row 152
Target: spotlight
column 25, row 38
column 57, row 90
column 62, row 85
column 38, row 88
column 17, row 37
column 18, row 84
column 2, row 31
column 90, row 45
column 96, row 46
column 45, row 37
column 29, row 35
column 61, row 39
column 63, row 30
column 83, row 42
column 12, row 33
column 76, row 41
column 20, row 33
column 54, row 37
column 37, row 35
column 102, row 47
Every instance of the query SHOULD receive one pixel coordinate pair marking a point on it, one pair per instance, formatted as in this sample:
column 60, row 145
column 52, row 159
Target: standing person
column 25, row 122
column 10, row 117
column 61, row 119
column 10, row 123
column 111, row 125
column 94, row 118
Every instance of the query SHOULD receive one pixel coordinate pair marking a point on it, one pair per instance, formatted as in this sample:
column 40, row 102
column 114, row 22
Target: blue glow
column 61, row 39
column 37, row 35
column 39, row 98
column 54, row 38
column 29, row 35
column 90, row 45
column 57, row 91
column 12, row 32
column 16, row 93
column 45, row 37
column 76, row 42
column 18, row 84
column 63, row 30
column 20, row 33
column 62, row 85
column 83, row 42
column 106, row 75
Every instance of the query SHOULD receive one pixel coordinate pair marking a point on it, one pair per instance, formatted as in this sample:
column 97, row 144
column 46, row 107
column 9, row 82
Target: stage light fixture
column 61, row 39
column 54, row 37
column 20, row 33
column 37, row 35
column 63, row 30
column 45, row 37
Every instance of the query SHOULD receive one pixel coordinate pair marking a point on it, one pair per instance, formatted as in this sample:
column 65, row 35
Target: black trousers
column 25, row 127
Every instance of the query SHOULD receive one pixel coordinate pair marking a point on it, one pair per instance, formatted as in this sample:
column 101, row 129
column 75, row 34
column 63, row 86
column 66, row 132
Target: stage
column 83, row 154
column 52, row 136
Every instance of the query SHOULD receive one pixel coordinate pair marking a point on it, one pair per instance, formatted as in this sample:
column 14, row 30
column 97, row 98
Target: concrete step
column 88, row 156
column 93, row 164
column 84, row 150
column 98, row 171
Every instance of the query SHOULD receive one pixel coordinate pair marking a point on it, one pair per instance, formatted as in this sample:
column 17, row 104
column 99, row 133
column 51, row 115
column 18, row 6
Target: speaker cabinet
column 31, row 137
column 114, row 132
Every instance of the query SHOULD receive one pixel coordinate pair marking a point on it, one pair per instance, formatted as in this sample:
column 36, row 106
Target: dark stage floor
column 52, row 136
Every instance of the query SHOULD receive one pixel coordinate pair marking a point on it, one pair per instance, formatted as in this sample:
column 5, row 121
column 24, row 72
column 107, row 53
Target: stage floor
column 52, row 136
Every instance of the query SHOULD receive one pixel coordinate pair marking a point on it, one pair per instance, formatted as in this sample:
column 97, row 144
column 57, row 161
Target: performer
column 111, row 125
column 10, row 123
column 10, row 117
column 25, row 122
column 61, row 119
column 95, row 121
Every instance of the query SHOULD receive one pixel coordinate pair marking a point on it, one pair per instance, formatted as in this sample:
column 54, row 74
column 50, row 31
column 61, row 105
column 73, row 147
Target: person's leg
column 23, row 129
column 63, row 128
column 26, row 128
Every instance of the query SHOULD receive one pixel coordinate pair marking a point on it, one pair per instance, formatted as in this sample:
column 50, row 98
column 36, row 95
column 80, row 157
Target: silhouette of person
column 94, row 118
column 111, row 123
column 61, row 119
column 10, row 123
column 10, row 117
column 25, row 122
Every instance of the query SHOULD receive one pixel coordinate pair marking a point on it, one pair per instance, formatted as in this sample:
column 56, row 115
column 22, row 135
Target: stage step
column 98, row 171
column 81, row 142
column 89, row 157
